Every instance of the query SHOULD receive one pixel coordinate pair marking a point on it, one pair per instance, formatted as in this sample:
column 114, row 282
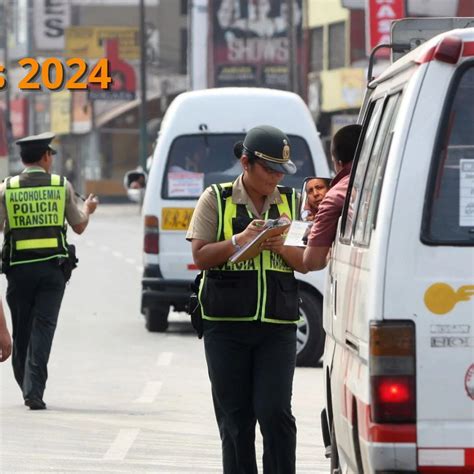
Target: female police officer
column 250, row 308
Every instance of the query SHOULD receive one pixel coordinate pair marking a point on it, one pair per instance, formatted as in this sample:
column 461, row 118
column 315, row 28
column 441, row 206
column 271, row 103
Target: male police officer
column 34, row 207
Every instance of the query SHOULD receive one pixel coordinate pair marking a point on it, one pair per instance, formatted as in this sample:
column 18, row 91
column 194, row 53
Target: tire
column 156, row 319
column 335, row 466
column 310, row 333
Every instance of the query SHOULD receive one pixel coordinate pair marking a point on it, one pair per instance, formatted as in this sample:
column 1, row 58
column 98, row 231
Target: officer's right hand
column 5, row 345
column 252, row 230
column 91, row 203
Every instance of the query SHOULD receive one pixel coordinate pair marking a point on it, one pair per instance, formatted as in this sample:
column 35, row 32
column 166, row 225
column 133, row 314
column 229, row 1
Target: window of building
column 184, row 7
column 316, row 49
column 336, row 45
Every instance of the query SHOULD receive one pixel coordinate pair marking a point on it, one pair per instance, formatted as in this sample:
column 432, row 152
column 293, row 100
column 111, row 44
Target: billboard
column 89, row 41
column 250, row 44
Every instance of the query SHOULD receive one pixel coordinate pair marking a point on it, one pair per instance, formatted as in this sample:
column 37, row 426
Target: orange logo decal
column 440, row 298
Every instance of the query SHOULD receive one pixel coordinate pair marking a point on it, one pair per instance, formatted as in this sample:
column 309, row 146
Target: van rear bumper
column 157, row 291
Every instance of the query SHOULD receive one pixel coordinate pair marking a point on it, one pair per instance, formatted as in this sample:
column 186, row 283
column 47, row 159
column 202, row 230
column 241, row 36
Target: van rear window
column 197, row 161
column 449, row 209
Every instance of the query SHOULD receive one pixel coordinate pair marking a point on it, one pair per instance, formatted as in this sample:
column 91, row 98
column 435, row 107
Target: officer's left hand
column 274, row 244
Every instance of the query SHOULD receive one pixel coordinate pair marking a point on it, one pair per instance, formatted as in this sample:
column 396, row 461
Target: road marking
column 164, row 358
column 121, row 445
column 117, row 254
column 131, row 261
column 150, row 392
column 140, row 268
column 104, row 248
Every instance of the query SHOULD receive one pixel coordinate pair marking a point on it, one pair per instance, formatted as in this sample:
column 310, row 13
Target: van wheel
column 156, row 319
column 310, row 333
column 335, row 467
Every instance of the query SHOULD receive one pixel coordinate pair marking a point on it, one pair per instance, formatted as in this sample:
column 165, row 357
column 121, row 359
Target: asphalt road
column 120, row 399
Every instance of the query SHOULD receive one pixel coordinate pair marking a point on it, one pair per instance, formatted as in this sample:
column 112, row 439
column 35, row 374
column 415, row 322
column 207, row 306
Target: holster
column 70, row 263
column 194, row 307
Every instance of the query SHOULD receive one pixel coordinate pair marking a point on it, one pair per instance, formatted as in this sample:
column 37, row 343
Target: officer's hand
column 252, row 230
column 91, row 203
column 5, row 345
column 274, row 244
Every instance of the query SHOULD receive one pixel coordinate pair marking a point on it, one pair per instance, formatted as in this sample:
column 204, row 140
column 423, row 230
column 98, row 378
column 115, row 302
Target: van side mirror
column 134, row 183
column 313, row 191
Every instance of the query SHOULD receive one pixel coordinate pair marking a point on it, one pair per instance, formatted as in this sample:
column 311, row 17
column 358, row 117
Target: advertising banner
column 89, row 41
column 379, row 17
column 250, row 42
column 61, row 112
column 50, row 21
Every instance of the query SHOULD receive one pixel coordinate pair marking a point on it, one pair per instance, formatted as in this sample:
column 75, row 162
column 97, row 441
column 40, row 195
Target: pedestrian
column 34, row 208
column 5, row 338
column 323, row 231
column 250, row 309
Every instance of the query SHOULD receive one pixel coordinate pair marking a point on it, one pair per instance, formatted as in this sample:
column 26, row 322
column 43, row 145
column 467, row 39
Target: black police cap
column 269, row 144
column 40, row 142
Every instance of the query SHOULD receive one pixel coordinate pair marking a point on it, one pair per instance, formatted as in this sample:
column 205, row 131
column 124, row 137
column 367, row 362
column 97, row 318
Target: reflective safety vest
column 36, row 206
column 262, row 288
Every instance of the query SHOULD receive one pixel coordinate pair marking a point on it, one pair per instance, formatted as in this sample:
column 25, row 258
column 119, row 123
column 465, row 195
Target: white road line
column 121, row 445
column 131, row 261
column 117, row 254
column 164, row 358
column 150, row 392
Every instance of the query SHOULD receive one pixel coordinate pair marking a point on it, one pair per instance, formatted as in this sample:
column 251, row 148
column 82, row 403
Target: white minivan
column 399, row 299
column 194, row 150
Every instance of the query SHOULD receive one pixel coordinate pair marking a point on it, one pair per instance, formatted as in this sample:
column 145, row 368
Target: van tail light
column 449, row 50
column 151, row 235
column 392, row 372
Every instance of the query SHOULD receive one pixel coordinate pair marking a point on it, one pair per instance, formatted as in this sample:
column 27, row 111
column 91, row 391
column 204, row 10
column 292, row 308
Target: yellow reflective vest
column 259, row 289
column 36, row 206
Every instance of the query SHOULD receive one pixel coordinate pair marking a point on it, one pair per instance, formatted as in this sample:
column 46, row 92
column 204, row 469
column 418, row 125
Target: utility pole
column 293, row 82
column 142, row 115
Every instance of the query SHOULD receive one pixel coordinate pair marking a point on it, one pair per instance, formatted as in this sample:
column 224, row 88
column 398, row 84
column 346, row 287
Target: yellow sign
column 61, row 112
column 342, row 89
column 176, row 218
column 440, row 298
column 88, row 42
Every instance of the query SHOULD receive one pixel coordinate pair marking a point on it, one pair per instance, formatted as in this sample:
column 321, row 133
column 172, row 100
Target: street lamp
column 142, row 111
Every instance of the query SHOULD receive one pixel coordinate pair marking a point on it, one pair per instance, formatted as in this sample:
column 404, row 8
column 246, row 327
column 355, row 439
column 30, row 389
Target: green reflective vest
column 263, row 288
column 36, row 206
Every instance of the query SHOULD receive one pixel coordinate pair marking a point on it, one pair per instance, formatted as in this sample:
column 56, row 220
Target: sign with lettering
column 379, row 17
column 51, row 17
column 250, row 42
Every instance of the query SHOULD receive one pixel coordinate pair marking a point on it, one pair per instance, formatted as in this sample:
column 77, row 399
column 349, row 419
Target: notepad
column 251, row 249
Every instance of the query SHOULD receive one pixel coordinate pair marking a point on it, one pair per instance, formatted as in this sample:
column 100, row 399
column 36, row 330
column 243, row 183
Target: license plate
column 176, row 218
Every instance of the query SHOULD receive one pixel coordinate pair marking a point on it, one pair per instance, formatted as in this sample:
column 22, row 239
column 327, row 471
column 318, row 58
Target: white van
column 195, row 149
column 399, row 303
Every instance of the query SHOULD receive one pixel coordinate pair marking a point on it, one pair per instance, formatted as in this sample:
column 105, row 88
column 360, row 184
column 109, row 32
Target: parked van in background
column 399, row 303
column 194, row 150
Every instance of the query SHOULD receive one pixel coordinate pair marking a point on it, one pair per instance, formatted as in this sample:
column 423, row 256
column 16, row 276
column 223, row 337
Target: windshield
column 197, row 161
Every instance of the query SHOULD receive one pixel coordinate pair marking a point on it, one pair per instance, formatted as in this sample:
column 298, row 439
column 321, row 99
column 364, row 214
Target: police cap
column 269, row 144
column 40, row 143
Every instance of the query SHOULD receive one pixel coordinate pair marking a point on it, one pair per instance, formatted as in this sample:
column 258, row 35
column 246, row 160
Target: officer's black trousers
column 34, row 295
column 251, row 367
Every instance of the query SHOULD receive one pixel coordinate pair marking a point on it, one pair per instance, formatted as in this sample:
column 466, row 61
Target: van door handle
column 353, row 346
